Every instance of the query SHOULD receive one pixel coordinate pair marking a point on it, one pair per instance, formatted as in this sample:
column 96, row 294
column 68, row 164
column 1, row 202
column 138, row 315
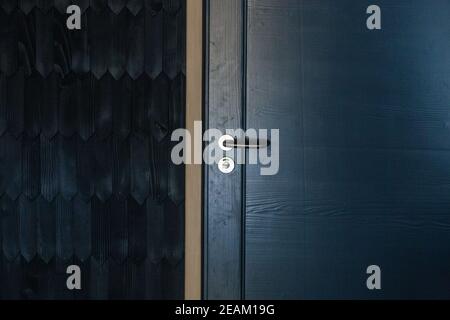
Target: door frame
column 224, row 108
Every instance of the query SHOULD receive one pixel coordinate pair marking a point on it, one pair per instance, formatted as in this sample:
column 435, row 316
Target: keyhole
column 226, row 165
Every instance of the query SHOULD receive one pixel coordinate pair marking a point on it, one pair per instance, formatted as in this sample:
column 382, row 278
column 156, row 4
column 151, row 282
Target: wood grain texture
column 85, row 123
column 223, row 192
column 274, row 100
column 193, row 175
column 364, row 150
column 363, row 119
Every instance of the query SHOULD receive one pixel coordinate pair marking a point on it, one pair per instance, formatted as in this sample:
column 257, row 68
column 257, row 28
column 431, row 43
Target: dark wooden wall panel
column 85, row 171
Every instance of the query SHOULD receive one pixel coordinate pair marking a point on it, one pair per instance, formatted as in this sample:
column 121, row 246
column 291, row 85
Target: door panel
column 275, row 248
column 364, row 150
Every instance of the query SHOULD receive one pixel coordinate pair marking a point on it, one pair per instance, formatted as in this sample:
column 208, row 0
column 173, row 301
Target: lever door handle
column 228, row 142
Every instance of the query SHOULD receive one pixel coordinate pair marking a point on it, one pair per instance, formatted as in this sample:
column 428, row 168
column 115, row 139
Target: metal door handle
column 228, row 142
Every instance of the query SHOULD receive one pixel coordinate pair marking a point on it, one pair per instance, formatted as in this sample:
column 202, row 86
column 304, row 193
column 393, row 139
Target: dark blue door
column 364, row 169
column 364, row 149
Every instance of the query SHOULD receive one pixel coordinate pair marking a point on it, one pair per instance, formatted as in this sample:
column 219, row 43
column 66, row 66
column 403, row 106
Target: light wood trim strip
column 194, row 103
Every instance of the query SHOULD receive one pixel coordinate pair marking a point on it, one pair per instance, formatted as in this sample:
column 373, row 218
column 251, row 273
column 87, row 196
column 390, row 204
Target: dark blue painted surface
column 364, row 179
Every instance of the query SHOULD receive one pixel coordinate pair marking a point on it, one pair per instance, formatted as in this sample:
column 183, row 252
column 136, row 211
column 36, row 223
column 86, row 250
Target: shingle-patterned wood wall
column 85, row 170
